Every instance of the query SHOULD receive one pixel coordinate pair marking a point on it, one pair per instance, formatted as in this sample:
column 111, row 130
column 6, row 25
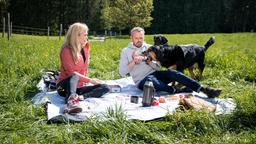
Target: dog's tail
column 209, row 43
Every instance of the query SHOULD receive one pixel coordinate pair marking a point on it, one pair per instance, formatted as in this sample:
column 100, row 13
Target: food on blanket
column 162, row 99
column 172, row 97
column 192, row 102
column 155, row 103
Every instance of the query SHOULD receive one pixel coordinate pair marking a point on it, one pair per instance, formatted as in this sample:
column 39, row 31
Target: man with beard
column 134, row 63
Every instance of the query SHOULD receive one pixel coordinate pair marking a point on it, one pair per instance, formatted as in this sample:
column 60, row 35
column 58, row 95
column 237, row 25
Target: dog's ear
column 164, row 40
column 157, row 39
column 153, row 50
column 160, row 40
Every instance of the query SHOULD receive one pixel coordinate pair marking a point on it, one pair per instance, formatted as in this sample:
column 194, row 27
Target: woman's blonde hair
column 72, row 39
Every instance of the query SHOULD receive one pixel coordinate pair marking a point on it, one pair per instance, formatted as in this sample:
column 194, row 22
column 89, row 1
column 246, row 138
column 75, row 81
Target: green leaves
column 123, row 14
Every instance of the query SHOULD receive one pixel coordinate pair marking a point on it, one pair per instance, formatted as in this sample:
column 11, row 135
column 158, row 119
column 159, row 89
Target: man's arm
column 125, row 65
column 128, row 60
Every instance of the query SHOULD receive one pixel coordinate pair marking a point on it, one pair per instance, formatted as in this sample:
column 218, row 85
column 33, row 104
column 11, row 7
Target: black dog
column 160, row 40
column 179, row 57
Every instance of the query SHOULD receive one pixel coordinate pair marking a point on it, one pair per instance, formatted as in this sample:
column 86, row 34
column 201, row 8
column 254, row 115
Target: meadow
column 230, row 65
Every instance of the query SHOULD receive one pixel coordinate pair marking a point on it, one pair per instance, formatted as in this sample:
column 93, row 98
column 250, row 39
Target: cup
column 134, row 99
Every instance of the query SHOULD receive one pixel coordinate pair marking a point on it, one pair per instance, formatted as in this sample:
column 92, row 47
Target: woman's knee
column 74, row 78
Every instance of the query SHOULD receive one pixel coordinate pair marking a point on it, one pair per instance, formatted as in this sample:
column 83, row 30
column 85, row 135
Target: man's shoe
column 211, row 92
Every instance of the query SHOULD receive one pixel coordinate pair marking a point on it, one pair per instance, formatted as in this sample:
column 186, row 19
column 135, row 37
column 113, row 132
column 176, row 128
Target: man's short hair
column 137, row 29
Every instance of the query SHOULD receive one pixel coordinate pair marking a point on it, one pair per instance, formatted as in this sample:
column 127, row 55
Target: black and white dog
column 179, row 57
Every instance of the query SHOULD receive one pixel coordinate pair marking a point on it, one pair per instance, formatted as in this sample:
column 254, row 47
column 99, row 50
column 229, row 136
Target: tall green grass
column 230, row 65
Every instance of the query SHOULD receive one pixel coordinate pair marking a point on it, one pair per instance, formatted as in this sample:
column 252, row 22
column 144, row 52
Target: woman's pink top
column 68, row 66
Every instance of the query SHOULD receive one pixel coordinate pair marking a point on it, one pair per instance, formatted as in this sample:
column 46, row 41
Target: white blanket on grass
column 100, row 106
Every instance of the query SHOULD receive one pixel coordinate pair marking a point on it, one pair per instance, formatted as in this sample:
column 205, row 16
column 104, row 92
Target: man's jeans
column 161, row 79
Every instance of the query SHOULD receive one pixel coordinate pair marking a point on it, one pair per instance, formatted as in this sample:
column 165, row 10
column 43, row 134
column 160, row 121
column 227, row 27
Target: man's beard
column 138, row 44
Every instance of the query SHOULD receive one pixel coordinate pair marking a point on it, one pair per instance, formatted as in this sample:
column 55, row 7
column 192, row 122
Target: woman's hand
column 96, row 81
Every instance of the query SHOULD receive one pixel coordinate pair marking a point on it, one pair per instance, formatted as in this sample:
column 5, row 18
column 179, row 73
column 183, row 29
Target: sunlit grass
column 230, row 65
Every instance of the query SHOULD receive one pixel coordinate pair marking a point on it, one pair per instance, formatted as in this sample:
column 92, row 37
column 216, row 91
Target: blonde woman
column 73, row 81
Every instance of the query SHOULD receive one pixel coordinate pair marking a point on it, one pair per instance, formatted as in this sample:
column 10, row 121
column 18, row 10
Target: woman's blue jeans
column 161, row 79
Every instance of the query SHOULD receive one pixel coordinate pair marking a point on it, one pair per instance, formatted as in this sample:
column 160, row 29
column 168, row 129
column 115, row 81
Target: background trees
column 3, row 7
column 157, row 16
column 123, row 14
column 43, row 13
column 196, row 16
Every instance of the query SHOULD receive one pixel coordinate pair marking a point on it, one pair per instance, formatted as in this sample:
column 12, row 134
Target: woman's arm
column 90, row 80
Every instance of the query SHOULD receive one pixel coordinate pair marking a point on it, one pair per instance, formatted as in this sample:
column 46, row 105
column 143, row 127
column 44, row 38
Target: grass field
column 230, row 65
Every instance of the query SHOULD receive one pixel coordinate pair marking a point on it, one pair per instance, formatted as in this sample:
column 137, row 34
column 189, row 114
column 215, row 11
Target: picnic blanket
column 99, row 106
